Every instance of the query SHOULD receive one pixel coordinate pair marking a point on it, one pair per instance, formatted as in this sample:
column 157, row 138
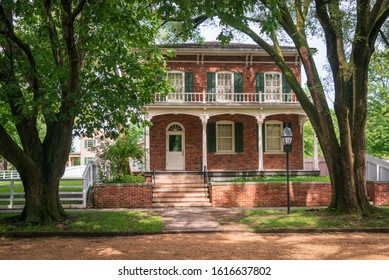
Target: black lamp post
column 287, row 138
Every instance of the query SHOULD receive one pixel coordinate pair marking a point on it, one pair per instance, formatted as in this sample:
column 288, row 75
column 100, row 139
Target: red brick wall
column 193, row 140
column 270, row 194
column 200, row 70
column 296, row 157
column 378, row 192
column 122, row 196
column 246, row 160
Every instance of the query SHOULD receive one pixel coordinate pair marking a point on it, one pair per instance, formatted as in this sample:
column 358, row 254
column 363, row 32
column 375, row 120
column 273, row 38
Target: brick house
column 227, row 113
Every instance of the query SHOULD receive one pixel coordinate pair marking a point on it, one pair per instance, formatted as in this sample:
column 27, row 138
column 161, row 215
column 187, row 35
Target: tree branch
column 383, row 36
column 78, row 9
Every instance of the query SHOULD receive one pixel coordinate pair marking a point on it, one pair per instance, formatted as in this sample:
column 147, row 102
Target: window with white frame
column 224, row 82
column 176, row 79
column 273, row 142
column 273, row 83
column 90, row 143
column 225, row 137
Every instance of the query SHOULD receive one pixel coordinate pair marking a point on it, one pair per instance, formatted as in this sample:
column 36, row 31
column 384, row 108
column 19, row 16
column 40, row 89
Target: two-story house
column 227, row 112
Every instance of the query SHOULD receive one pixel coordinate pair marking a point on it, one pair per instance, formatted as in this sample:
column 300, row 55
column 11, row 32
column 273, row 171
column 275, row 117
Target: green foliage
column 131, row 178
column 377, row 132
column 113, row 157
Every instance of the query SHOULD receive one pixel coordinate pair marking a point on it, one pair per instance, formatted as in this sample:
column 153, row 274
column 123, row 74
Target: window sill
column 225, row 153
column 274, row 153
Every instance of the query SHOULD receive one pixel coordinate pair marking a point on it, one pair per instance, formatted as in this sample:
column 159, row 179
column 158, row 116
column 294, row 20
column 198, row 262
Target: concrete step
column 180, row 200
column 168, row 178
column 180, row 190
column 181, row 194
column 181, row 204
column 179, row 185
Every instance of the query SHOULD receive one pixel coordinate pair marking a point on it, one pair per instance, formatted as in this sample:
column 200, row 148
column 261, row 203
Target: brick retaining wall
column 122, row 195
column 378, row 192
column 270, row 194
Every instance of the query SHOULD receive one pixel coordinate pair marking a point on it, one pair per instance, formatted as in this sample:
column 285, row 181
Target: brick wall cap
column 122, row 185
column 268, row 183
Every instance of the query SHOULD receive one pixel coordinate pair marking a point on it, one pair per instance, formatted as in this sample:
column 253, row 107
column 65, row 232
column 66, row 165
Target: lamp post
column 287, row 138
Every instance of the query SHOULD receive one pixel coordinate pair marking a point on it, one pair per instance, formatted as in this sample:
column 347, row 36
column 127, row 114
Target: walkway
column 189, row 220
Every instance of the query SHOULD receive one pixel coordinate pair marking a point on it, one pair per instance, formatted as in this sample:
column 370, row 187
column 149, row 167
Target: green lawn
column 96, row 221
column 304, row 218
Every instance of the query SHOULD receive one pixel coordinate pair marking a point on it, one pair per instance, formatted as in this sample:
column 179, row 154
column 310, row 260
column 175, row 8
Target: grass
column 304, row 218
column 90, row 221
column 281, row 179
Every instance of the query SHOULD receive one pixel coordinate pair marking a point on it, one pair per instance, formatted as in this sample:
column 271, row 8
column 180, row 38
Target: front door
column 175, row 152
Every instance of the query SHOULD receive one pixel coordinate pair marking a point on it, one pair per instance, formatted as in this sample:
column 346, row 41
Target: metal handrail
column 154, row 173
column 207, row 181
column 201, row 167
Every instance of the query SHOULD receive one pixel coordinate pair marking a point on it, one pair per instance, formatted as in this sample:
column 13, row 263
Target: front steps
column 180, row 190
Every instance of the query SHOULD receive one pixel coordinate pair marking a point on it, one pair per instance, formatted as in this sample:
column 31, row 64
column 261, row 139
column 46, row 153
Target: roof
column 219, row 47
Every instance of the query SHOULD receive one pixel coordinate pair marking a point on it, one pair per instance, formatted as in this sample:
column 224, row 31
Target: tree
column 377, row 133
column 70, row 64
column 116, row 155
column 350, row 30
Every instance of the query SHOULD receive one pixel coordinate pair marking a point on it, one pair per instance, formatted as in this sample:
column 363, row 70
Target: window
column 176, row 79
column 273, row 130
column 224, row 82
column 225, row 137
column 88, row 159
column 90, row 143
column 272, row 83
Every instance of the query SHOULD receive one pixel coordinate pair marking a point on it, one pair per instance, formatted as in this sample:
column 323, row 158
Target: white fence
column 376, row 169
column 72, row 191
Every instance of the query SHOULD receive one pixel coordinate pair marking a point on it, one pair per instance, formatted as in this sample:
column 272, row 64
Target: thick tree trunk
column 42, row 204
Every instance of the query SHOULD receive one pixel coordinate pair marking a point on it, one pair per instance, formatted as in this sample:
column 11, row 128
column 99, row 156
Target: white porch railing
column 206, row 97
column 72, row 195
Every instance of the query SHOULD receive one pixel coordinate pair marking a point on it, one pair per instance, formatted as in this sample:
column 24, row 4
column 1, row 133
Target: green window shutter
column 189, row 86
column 94, row 143
column 290, row 126
column 256, row 137
column 85, row 143
column 238, row 86
column 260, row 84
column 239, row 137
column 211, row 137
column 285, row 85
column 285, row 89
column 211, row 82
column 211, row 85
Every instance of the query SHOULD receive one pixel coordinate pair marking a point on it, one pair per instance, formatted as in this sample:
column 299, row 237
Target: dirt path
column 202, row 246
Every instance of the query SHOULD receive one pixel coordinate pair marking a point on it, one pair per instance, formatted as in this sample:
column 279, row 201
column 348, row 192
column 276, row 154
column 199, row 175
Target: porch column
column 147, row 147
column 204, row 120
column 315, row 153
column 260, row 120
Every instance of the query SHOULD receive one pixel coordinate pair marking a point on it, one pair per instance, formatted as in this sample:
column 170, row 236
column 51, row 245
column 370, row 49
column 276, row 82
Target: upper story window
column 272, row 83
column 90, row 143
column 176, row 79
column 224, row 82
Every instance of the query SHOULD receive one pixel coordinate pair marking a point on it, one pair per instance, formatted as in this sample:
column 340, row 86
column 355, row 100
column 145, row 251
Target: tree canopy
column 70, row 64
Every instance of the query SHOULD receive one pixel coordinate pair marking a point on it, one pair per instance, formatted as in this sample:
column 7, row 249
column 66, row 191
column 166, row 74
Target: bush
column 129, row 179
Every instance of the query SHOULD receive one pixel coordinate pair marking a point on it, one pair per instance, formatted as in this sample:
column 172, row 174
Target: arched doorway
column 175, row 147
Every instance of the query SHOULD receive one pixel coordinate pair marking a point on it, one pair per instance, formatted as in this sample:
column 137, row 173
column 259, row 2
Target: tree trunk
column 42, row 204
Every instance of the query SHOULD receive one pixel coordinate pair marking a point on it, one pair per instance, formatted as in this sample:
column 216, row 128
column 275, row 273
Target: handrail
column 222, row 97
column 153, row 179
column 207, row 181
column 201, row 167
